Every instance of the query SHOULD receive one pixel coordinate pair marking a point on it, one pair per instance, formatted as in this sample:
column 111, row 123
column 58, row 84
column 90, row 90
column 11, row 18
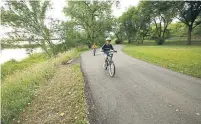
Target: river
column 18, row 54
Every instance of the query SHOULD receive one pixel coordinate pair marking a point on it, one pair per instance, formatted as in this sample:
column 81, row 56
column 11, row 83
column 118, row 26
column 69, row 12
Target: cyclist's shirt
column 94, row 46
column 107, row 47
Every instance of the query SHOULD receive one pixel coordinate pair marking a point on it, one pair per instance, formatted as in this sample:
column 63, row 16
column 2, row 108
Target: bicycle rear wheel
column 112, row 69
column 94, row 52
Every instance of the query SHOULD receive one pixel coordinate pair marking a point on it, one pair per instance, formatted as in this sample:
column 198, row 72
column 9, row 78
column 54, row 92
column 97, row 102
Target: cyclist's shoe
column 105, row 66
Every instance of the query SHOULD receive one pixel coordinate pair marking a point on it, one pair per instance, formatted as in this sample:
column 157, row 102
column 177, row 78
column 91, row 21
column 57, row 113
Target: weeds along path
column 59, row 101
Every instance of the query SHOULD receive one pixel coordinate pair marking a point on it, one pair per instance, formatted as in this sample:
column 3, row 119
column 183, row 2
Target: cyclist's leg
column 105, row 55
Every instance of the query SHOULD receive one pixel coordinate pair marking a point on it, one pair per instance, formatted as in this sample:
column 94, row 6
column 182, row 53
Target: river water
column 17, row 54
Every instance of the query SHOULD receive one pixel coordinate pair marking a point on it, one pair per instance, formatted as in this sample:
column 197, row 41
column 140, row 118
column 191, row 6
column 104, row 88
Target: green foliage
column 12, row 66
column 137, row 20
column 117, row 41
column 184, row 59
column 160, row 41
column 118, row 29
column 189, row 12
column 28, row 17
column 163, row 13
column 197, row 31
column 129, row 23
column 138, row 23
column 93, row 18
column 178, row 29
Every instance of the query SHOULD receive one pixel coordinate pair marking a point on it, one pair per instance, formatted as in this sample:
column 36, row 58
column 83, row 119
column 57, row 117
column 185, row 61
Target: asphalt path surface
column 140, row 92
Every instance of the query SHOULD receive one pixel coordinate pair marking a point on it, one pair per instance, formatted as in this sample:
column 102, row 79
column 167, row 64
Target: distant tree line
column 154, row 17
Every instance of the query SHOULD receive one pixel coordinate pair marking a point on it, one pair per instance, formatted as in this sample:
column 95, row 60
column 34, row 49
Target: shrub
column 160, row 41
column 117, row 41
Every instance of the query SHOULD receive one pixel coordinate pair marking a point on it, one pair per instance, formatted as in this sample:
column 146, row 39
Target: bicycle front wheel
column 112, row 69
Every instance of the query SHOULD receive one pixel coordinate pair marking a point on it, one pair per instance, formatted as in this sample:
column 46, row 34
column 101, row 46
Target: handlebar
column 111, row 51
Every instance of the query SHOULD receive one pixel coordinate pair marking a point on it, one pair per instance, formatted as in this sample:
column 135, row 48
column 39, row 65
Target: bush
column 160, row 41
column 118, row 41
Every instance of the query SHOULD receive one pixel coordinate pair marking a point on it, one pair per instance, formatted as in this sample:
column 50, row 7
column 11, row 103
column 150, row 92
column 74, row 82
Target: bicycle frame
column 109, row 57
column 109, row 63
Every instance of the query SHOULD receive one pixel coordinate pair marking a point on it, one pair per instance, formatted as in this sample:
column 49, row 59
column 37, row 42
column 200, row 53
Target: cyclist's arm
column 103, row 47
column 111, row 47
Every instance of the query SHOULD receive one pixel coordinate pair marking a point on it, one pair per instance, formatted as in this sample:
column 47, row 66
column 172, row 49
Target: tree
column 94, row 17
column 71, row 35
column 117, row 28
column 161, row 15
column 188, row 12
column 136, row 22
column 29, row 17
column 143, row 21
column 129, row 23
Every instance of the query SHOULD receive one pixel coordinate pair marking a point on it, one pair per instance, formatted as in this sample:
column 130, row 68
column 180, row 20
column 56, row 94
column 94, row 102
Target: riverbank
column 60, row 100
column 17, row 54
column 10, row 67
column 20, row 88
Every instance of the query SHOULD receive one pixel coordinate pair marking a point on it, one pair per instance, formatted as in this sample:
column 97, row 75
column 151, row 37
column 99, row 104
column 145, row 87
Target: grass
column 170, row 41
column 12, row 66
column 59, row 101
column 180, row 58
column 19, row 88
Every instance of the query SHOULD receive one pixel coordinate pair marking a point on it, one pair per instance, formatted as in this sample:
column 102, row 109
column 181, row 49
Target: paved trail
column 140, row 93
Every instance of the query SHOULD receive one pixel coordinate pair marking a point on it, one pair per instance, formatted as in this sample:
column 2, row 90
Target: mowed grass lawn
column 184, row 59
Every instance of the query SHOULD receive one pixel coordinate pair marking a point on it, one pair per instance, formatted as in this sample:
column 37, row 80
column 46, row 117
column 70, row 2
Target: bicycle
column 110, row 63
column 94, row 51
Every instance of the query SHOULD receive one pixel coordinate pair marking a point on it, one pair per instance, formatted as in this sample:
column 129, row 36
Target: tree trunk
column 117, row 36
column 189, row 34
column 142, row 40
column 44, row 47
column 129, row 41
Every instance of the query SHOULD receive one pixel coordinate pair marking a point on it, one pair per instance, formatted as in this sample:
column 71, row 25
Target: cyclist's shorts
column 105, row 54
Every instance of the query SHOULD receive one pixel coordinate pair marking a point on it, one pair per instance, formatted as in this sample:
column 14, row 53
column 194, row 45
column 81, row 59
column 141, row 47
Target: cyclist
column 94, row 46
column 107, row 47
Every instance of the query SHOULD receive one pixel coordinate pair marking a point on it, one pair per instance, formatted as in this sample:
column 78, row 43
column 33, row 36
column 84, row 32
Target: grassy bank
column 19, row 88
column 12, row 66
column 59, row 101
column 180, row 58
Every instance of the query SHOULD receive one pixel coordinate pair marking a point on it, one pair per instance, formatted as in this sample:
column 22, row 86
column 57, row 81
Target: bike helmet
column 108, row 39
